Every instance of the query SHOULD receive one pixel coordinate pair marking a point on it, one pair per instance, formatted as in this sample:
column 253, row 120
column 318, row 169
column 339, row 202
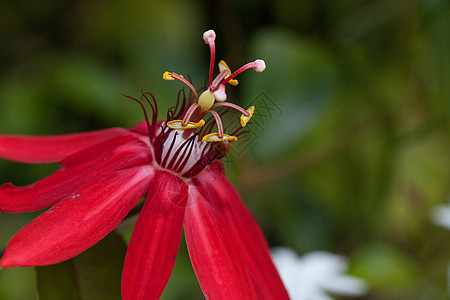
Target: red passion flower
column 104, row 173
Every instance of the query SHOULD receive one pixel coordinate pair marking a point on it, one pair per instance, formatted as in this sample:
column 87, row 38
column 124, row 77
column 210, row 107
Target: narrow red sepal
column 79, row 221
column 156, row 238
column 44, row 149
column 216, row 259
column 76, row 170
column 236, row 218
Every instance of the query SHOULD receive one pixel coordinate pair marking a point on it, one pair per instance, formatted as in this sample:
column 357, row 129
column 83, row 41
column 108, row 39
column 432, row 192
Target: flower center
column 184, row 144
column 183, row 153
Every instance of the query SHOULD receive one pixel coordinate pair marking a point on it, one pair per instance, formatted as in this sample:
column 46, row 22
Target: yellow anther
column 168, row 76
column 233, row 82
column 214, row 137
column 176, row 124
column 244, row 118
column 223, row 66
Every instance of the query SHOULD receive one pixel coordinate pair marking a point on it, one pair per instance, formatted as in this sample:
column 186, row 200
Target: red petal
column 156, row 238
column 43, row 149
column 214, row 253
column 78, row 222
column 246, row 233
column 77, row 170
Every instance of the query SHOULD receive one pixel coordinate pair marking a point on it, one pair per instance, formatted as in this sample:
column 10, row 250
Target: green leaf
column 57, row 282
column 290, row 94
column 384, row 267
column 94, row 274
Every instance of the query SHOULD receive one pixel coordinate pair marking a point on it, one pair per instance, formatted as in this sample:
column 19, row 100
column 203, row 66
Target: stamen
column 176, row 124
column 189, row 113
column 209, row 124
column 181, row 78
column 245, row 118
column 223, row 66
column 232, row 105
column 258, row 65
column 218, row 123
column 214, row 137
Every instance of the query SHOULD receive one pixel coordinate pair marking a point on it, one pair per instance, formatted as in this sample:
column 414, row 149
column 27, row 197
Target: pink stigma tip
column 208, row 35
column 260, row 65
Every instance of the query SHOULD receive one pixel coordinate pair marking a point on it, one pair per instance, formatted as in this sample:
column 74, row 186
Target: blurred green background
column 351, row 146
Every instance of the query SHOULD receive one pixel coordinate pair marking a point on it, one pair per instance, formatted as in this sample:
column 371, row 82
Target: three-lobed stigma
column 214, row 96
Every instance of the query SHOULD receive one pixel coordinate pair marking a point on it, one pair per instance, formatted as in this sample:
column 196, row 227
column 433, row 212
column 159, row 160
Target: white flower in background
column 316, row 274
column 440, row 215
